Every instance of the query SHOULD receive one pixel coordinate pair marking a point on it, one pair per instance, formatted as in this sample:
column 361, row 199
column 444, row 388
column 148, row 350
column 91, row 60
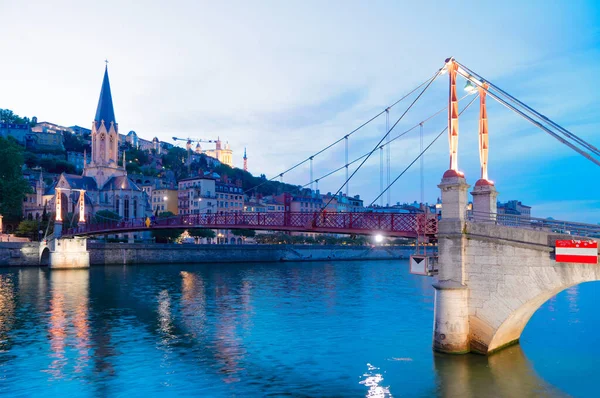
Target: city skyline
column 310, row 86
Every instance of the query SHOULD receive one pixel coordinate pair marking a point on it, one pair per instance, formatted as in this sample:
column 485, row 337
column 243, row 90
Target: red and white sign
column 577, row 251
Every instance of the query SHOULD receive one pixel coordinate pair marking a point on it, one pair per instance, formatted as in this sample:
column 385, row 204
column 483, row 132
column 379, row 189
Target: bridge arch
column 511, row 329
column 492, row 280
column 45, row 257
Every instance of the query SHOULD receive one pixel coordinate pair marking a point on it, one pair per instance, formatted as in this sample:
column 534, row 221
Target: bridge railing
column 550, row 225
column 363, row 222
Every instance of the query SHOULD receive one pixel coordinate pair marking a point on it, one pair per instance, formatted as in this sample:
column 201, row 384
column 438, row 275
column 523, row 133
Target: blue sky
column 286, row 78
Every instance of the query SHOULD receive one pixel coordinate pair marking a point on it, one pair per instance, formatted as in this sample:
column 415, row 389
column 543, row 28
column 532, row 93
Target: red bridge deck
column 393, row 225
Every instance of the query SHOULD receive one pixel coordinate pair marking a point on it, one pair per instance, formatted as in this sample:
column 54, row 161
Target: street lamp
column 470, row 87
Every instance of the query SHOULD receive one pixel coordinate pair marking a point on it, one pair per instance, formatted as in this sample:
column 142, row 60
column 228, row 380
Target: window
column 117, row 207
column 126, row 208
column 135, row 214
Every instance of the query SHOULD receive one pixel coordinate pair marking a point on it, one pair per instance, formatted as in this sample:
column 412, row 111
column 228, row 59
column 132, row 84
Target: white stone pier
column 492, row 278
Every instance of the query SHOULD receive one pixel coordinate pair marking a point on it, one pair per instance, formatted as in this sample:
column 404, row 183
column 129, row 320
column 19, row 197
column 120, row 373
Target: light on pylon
column 470, row 87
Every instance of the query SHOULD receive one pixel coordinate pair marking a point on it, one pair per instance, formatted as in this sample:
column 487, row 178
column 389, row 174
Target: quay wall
column 17, row 254
column 115, row 253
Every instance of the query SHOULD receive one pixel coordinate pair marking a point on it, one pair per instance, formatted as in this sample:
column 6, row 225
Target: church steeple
column 105, row 139
column 105, row 110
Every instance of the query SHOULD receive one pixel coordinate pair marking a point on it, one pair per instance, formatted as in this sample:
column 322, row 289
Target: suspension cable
column 437, row 73
column 536, row 113
column 469, row 75
column 420, row 154
column 387, row 143
column 541, row 126
column 342, row 138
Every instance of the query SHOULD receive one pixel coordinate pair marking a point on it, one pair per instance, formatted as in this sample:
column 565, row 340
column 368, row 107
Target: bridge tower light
column 470, row 87
column 483, row 133
column 82, row 206
column 57, row 202
column 452, row 68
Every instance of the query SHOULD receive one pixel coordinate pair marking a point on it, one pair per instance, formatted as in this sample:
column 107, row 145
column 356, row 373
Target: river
column 351, row 329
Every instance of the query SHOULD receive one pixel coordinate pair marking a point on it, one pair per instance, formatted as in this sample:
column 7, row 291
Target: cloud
column 284, row 79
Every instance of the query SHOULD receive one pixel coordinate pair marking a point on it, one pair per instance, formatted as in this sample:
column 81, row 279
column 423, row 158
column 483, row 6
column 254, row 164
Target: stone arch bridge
column 493, row 277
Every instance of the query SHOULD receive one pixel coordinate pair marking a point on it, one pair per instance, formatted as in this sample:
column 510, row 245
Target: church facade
column 104, row 180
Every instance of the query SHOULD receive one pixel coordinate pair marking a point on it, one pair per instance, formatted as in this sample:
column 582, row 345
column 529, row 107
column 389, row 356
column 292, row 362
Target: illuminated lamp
column 470, row 87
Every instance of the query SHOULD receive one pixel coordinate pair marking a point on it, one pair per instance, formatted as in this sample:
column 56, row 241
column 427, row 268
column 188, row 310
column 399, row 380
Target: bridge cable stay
column 391, row 140
column 388, row 153
column 540, row 123
column 422, row 164
column 563, row 130
column 381, row 173
column 437, row 73
column 545, row 128
column 347, row 185
column 343, row 138
column 420, row 154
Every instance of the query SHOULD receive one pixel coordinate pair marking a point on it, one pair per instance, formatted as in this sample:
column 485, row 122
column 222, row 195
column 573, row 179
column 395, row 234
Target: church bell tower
column 105, row 139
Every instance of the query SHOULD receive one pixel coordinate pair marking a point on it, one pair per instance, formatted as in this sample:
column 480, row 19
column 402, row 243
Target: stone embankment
column 27, row 254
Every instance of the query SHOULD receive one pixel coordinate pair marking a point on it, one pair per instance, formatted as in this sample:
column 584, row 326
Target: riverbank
column 27, row 254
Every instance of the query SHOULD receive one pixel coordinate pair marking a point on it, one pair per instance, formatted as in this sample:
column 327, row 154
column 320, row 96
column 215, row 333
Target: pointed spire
column 245, row 157
column 105, row 110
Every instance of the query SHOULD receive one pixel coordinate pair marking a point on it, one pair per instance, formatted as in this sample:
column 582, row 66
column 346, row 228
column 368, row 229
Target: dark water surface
column 350, row 329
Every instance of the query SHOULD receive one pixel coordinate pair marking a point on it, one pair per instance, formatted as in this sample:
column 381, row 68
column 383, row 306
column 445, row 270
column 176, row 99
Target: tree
column 103, row 216
column 176, row 160
column 166, row 235
column 201, row 233
column 28, row 229
column 13, row 186
column 74, row 143
column 247, row 233
column 8, row 116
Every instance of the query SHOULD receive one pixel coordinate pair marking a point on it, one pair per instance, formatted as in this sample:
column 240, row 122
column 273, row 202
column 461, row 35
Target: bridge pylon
column 451, row 316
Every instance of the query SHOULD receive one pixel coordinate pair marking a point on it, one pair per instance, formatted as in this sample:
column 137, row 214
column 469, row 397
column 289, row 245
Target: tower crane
column 190, row 141
column 188, row 146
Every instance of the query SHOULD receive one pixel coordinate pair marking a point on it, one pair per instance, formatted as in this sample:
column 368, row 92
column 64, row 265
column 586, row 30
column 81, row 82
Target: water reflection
column 68, row 324
column 193, row 304
column 373, row 380
column 229, row 351
column 507, row 373
column 7, row 310
column 300, row 329
column 572, row 295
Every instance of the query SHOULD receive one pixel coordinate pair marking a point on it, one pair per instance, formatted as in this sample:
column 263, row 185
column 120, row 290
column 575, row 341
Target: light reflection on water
column 305, row 329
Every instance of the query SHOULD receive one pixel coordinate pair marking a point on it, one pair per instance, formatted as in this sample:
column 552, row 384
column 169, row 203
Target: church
column 104, row 182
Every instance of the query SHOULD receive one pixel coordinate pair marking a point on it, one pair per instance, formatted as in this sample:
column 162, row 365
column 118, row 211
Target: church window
column 135, row 215
column 126, row 208
column 117, row 206
column 106, row 197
